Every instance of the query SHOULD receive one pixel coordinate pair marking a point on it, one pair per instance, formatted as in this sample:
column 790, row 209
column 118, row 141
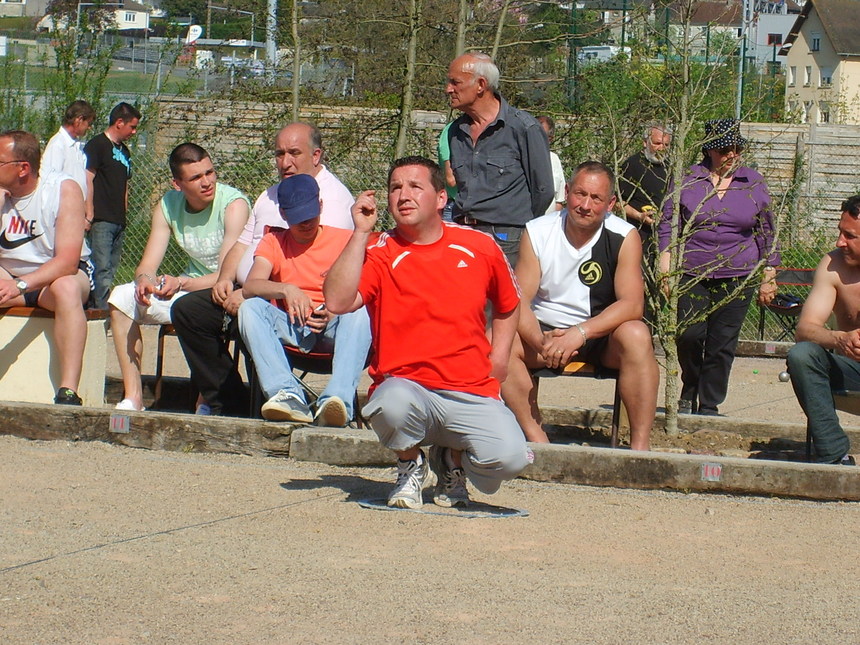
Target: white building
column 130, row 16
column 823, row 59
column 772, row 22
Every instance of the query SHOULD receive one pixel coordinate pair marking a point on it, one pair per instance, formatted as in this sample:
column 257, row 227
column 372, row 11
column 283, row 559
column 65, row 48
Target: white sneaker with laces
column 412, row 478
column 451, row 482
column 128, row 404
column 286, row 406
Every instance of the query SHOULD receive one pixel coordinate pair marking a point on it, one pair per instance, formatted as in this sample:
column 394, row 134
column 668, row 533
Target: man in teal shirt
column 444, row 154
column 205, row 218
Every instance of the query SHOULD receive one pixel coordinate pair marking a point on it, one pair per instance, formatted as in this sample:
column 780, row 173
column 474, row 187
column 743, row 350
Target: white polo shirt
column 65, row 155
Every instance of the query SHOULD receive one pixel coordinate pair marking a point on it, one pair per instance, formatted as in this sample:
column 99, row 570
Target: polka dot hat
column 722, row 133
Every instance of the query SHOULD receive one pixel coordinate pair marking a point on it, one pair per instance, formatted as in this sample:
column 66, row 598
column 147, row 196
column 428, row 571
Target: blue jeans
column 815, row 373
column 507, row 237
column 265, row 329
column 106, row 247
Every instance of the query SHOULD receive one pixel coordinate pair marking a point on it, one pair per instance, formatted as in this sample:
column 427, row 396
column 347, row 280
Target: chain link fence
column 239, row 137
column 358, row 145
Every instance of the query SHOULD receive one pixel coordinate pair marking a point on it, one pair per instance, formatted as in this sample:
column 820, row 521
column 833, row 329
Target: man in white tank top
column 43, row 258
column 580, row 271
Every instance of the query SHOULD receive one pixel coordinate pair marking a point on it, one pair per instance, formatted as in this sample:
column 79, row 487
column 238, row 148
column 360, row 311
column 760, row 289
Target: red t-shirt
column 304, row 265
column 426, row 306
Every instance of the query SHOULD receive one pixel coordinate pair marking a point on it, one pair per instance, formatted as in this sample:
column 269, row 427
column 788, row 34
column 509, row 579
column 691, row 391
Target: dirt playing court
column 107, row 545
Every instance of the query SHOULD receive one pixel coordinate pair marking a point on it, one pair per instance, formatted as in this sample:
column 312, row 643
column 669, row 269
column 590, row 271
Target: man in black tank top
column 580, row 272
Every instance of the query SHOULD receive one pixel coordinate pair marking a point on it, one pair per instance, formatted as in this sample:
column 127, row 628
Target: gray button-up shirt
column 505, row 178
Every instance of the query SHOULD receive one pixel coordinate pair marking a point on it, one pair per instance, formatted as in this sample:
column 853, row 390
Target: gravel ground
column 107, row 545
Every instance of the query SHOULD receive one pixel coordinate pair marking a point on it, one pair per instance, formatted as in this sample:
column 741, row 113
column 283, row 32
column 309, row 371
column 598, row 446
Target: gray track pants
column 404, row 415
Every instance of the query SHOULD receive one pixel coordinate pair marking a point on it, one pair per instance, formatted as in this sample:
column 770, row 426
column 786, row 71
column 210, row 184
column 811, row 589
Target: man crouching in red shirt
column 436, row 376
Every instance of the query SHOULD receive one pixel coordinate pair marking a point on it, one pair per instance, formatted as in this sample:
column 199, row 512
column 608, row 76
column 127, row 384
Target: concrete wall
column 30, row 366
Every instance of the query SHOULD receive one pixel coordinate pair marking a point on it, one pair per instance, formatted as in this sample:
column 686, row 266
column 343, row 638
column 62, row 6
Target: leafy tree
column 180, row 8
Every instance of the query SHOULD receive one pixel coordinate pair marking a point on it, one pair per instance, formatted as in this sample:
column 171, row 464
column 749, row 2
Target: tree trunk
column 463, row 15
column 500, row 25
column 297, row 60
column 407, row 97
column 670, row 324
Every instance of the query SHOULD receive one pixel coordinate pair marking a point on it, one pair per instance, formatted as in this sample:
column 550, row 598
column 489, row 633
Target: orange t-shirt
column 304, row 265
column 426, row 307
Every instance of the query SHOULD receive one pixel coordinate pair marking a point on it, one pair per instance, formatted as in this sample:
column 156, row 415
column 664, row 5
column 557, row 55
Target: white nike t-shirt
column 28, row 225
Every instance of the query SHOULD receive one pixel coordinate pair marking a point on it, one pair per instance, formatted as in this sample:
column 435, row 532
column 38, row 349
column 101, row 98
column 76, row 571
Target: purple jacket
column 728, row 236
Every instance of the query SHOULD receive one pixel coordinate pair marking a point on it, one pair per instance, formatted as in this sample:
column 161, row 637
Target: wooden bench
column 29, row 360
column 619, row 413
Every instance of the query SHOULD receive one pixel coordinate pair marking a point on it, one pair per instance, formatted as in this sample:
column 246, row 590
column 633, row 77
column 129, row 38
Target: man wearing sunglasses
column 725, row 234
column 44, row 261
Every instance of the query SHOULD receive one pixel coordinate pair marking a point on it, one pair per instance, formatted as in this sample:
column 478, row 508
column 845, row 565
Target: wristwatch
column 22, row 286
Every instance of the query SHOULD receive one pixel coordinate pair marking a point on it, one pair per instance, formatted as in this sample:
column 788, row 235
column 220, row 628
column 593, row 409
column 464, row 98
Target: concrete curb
column 763, row 348
column 359, row 447
column 692, row 473
column 576, row 464
column 601, row 418
column 339, row 447
column 150, row 430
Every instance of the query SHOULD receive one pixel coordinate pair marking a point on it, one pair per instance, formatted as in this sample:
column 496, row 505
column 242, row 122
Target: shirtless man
column 814, row 370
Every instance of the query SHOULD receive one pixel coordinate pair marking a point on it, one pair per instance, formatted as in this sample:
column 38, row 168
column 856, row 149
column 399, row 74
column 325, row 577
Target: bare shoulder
column 70, row 187
column 834, row 270
column 843, row 278
column 631, row 246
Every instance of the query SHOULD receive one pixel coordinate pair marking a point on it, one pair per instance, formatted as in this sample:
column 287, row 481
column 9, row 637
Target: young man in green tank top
column 205, row 218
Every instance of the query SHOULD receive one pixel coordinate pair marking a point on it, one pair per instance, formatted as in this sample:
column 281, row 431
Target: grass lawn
column 123, row 82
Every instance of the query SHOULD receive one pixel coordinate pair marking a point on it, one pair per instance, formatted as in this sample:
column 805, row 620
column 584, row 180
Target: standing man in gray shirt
column 499, row 155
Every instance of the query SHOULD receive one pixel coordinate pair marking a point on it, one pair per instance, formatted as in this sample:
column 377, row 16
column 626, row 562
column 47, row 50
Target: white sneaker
column 412, row 478
column 286, row 406
column 451, row 482
column 128, row 404
column 332, row 413
column 203, row 410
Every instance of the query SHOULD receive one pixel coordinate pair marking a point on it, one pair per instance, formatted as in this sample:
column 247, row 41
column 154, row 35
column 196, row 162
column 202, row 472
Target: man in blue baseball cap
column 285, row 306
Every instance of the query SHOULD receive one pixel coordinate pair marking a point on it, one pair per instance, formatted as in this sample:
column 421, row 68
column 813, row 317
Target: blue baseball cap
column 299, row 199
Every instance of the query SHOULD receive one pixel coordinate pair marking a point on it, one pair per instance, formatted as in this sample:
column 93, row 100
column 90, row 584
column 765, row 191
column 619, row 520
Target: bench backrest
column 794, row 277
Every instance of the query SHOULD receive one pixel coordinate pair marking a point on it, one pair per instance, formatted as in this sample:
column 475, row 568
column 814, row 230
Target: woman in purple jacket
column 725, row 231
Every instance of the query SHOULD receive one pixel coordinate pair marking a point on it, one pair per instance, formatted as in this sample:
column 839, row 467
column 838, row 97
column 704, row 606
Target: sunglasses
column 736, row 149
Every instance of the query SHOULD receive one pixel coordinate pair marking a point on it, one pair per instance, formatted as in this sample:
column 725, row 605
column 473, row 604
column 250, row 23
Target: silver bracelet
column 144, row 275
column 582, row 331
